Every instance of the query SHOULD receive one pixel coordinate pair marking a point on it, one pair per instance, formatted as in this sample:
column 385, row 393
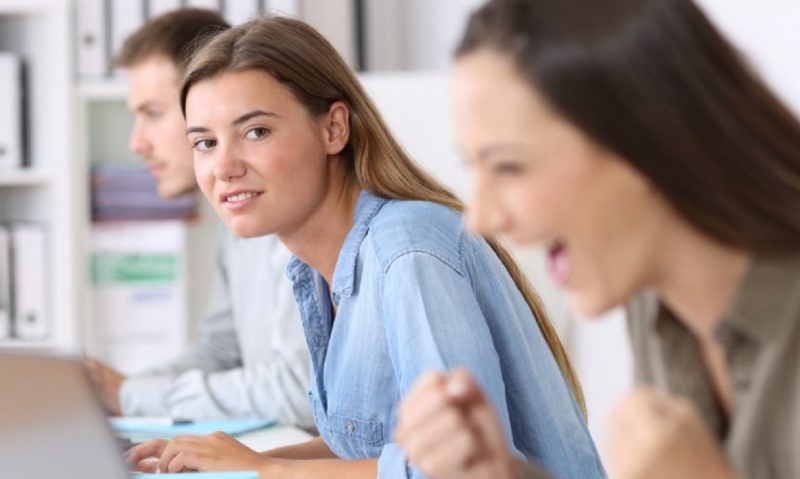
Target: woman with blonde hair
column 387, row 281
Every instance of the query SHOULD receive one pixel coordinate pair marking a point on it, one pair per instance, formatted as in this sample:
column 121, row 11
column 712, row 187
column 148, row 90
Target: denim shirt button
column 349, row 427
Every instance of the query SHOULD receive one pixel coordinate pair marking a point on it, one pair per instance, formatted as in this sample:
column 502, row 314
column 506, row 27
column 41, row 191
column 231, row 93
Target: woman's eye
column 256, row 133
column 507, row 169
column 154, row 115
column 203, row 145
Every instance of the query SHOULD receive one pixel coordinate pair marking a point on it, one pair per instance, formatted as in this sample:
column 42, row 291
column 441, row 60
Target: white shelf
column 51, row 191
column 113, row 90
column 28, row 344
column 16, row 7
column 24, row 177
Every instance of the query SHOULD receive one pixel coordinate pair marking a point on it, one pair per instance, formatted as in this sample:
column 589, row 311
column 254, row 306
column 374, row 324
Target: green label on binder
column 128, row 268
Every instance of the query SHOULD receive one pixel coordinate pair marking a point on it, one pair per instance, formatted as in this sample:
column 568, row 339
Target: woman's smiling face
column 538, row 179
column 260, row 157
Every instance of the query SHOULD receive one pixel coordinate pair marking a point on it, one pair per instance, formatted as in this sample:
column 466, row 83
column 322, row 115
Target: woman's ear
column 336, row 128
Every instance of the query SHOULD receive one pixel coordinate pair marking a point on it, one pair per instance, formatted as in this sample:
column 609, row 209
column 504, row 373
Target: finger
column 148, row 465
column 428, row 381
column 147, row 449
column 175, row 447
column 176, row 464
column 482, row 417
column 482, row 470
column 450, row 458
column 461, row 387
column 188, row 448
column 436, row 433
column 425, row 381
column 418, row 408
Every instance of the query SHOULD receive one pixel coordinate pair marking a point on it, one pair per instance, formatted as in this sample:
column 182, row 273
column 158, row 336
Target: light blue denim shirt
column 413, row 292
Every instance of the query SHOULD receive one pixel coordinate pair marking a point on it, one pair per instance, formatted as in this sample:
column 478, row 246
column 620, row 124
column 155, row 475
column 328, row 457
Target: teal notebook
column 138, row 429
column 201, row 475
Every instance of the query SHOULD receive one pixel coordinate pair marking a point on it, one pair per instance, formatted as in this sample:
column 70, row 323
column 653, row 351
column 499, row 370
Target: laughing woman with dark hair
column 630, row 138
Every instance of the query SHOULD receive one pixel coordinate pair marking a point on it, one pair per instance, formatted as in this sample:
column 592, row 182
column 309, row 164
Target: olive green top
column 760, row 336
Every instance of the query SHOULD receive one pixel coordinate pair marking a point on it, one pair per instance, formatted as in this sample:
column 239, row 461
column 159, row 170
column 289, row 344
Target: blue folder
column 201, row 475
column 138, row 430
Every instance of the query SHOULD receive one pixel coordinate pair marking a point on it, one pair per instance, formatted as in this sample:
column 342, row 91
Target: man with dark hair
column 251, row 359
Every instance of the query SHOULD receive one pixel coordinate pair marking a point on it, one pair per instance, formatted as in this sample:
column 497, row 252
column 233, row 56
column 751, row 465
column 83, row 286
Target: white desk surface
column 272, row 437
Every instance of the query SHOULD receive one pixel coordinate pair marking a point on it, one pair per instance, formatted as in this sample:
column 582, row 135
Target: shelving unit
column 105, row 125
column 25, row 177
column 71, row 123
column 50, row 190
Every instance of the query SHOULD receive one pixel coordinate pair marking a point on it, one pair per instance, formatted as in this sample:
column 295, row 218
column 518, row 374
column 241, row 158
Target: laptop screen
column 51, row 424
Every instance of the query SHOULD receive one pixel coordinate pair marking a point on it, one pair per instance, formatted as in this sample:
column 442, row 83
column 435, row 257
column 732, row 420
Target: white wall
column 336, row 21
column 768, row 33
column 414, row 34
column 433, row 30
column 421, row 34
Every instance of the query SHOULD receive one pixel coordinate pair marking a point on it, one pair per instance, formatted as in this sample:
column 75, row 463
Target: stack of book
column 129, row 192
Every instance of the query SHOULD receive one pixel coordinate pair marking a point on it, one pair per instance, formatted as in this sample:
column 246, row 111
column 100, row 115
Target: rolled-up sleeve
column 434, row 321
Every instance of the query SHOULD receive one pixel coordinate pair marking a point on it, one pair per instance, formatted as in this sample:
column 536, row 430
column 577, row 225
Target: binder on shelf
column 29, row 320
column 91, row 41
column 287, row 8
column 5, row 283
column 10, row 111
column 126, row 17
column 241, row 11
column 160, row 7
column 207, row 4
column 138, row 304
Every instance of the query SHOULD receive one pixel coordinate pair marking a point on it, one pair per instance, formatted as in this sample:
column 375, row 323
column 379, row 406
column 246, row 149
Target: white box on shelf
column 28, row 281
column 289, row 8
column 5, row 282
column 126, row 17
column 240, row 11
column 92, row 45
column 207, row 4
column 160, row 7
column 139, row 307
column 10, row 111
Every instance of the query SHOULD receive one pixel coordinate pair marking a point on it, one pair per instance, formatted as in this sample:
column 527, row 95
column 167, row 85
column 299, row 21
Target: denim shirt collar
column 344, row 274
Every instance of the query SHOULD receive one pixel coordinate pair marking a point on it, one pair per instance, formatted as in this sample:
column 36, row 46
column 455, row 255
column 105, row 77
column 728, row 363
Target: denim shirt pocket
column 349, row 429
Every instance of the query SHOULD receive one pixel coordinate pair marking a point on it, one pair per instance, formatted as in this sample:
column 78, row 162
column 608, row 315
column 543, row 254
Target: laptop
column 51, row 424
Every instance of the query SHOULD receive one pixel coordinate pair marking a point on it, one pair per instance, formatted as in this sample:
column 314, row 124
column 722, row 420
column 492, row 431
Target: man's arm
column 251, row 360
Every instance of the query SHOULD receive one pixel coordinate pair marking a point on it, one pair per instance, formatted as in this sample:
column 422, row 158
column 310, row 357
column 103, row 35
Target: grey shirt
column 760, row 335
column 251, row 359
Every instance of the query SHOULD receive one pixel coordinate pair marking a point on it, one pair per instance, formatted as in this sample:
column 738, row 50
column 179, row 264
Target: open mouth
column 238, row 199
column 558, row 264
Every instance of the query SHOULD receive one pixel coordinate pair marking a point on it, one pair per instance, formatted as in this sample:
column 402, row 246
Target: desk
column 272, row 437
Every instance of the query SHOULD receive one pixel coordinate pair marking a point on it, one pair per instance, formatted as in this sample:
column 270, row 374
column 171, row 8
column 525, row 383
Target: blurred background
column 92, row 260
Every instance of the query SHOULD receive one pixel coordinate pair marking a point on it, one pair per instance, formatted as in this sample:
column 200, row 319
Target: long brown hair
column 301, row 59
column 656, row 83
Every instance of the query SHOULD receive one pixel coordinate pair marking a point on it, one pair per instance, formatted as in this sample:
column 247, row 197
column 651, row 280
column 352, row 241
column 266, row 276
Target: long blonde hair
column 301, row 59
